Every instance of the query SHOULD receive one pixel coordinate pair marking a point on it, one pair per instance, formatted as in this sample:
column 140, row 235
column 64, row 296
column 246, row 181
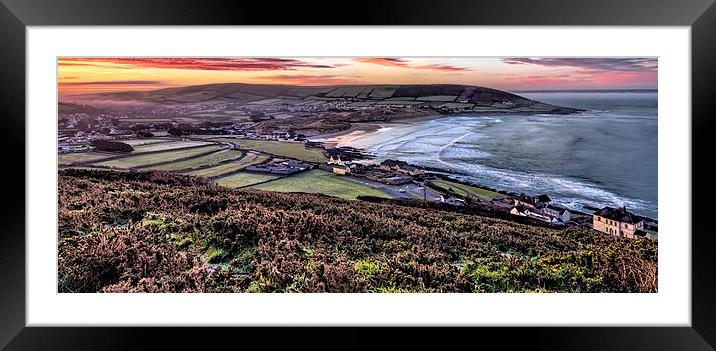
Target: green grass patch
column 145, row 160
column 285, row 149
column 445, row 98
column 215, row 255
column 168, row 145
column 138, row 142
column 321, row 182
column 244, row 179
column 466, row 190
column 210, row 159
column 382, row 92
column 74, row 157
column 250, row 159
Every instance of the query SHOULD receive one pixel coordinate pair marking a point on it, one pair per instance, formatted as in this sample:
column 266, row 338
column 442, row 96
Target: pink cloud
column 210, row 64
column 396, row 62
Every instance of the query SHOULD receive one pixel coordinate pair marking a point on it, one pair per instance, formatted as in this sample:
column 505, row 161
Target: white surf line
column 409, row 136
column 452, row 142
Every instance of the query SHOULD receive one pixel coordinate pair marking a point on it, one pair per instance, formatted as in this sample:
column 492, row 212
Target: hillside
column 66, row 107
column 455, row 96
column 159, row 232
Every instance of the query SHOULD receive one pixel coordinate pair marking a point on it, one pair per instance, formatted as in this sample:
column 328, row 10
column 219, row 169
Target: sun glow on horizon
column 100, row 75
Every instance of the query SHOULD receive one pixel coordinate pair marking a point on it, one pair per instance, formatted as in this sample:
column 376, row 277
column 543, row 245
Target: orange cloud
column 201, row 64
column 304, row 79
column 396, row 62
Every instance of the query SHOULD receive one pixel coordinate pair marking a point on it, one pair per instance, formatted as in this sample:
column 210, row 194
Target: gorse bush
column 159, row 232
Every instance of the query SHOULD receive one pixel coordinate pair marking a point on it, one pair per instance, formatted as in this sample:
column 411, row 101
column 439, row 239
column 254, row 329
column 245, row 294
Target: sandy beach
column 353, row 135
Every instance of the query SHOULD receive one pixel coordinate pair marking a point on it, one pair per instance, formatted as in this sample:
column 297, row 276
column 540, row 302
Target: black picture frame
column 700, row 15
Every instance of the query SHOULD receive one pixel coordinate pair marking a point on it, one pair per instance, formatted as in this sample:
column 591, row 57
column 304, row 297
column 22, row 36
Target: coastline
column 365, row 136
column 361, row 129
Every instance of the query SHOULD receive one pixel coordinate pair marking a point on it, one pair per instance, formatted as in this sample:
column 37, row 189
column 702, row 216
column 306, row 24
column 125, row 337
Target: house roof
column 542, row 198
column 557, row 209
column 618, row 214
column 409, row 168
column 640, row 232
column 521, row 208
column 394, row 163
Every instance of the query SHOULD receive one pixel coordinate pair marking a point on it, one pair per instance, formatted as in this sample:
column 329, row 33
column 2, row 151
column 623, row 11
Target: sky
column 94, row 75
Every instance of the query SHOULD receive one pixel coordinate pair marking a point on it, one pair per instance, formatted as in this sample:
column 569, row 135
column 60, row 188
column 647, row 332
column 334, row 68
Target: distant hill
column 427, row 94
column 66, row 107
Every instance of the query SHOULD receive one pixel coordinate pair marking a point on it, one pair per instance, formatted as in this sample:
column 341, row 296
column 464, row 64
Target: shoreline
column 368, row 131
column 361, row 129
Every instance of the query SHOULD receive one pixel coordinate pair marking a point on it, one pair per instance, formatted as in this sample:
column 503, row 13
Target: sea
column 604, row 156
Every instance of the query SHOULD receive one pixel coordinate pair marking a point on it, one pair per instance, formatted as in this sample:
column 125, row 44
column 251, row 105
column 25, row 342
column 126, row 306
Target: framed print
column 214, row 166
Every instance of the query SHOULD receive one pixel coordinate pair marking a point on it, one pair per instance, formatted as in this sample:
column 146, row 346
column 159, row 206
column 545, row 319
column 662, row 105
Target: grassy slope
column 321, row 182
column 466, row 190
column 65, row 159
column 158, row 232
column 210, row 159
column 143, row 160
column 167, row 145
column 292, row 150
column 244, row 179
column 249, row 159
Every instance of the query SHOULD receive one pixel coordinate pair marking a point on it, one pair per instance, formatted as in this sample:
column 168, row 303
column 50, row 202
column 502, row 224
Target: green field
column 322, row 182
column 210, row 159
column 138, row 142
column 382, row 92
column 244, row 179
column 249, row 159
column 168, row 145
column 285, row 149
column 466, row 190
column 446, row 98
column 65, row 159
column 145, row 160
column 307, row 91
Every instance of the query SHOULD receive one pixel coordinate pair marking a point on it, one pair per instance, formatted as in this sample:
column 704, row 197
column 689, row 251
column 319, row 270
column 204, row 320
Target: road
column 409, row 190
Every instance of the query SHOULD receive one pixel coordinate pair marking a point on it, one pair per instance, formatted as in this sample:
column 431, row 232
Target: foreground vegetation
column 162, row 232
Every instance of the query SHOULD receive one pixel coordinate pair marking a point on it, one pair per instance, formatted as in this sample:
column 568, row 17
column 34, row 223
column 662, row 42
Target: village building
column 400, row 166
column 561, row 214
column 336, row 160
column 539, row 201
column 528, row 211
column 341, row 169
column 618, row 222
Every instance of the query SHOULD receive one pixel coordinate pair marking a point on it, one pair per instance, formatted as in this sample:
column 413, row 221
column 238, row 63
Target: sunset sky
column 93, row 75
